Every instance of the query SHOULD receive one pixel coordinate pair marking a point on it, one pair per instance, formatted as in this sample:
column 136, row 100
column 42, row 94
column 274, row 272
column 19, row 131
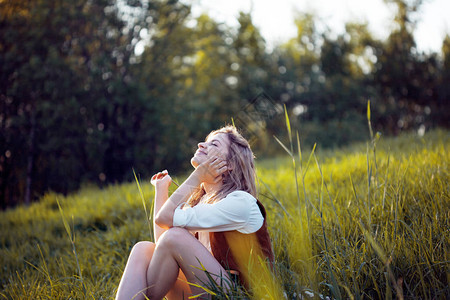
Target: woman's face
column 217, row 143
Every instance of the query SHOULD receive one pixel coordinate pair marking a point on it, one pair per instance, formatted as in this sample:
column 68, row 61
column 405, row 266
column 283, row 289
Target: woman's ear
column 230, row 165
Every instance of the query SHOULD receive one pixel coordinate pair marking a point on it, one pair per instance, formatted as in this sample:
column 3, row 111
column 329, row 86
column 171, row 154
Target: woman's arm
column 237, row 211
column 209, row 171
column 161, row 181
column 164, row 216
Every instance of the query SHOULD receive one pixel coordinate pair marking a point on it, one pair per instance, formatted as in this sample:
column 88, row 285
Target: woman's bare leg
column 181, row 288
column 134, row 279
column 178, row 249
column 133, row 284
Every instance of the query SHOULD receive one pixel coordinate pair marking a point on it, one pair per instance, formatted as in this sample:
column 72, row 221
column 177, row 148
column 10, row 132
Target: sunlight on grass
column 359, row 222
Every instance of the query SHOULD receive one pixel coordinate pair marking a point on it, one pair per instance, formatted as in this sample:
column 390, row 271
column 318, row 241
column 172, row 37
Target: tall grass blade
column 72, row 241
column 369, row 180
column 284, row 147
column 288, row 126
column 45, row 267
column 66, row 225
column 385, row 183
column 306, row 201
column 299, row 152
column 309, row 159
column 356, row 197
column 328, row 193
column 368, row 120
column 334, row 287
column 274, row 198
column 379, row 251
column 44, row 270
column 147, row 214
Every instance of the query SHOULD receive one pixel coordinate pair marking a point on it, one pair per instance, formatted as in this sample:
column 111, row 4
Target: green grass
column 358, row 229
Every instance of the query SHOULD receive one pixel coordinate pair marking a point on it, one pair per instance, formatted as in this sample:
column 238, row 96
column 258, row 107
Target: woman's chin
column 194, row 162
column 198, row 159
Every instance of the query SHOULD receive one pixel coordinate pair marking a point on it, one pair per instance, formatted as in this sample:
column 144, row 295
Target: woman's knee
column 143, row 249
column 174, row 237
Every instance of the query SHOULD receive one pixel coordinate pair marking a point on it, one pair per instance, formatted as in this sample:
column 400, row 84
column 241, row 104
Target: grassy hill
column 367, row 221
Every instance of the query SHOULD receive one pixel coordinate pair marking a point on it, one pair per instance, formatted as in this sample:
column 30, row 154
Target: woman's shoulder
column 241, row 195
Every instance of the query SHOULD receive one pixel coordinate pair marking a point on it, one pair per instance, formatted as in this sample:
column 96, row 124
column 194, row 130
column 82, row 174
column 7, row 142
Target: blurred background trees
column 91, row 89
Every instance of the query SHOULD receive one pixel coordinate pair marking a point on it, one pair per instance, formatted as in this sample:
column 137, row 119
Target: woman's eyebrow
column 216, row 141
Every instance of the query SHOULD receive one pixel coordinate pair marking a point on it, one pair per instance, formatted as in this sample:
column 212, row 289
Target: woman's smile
column 200, row 152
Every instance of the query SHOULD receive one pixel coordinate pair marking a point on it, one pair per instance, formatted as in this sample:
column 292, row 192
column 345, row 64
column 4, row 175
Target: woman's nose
column 202, row 145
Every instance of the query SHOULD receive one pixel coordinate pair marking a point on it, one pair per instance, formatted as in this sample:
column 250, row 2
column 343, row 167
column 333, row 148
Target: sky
column 275, row 18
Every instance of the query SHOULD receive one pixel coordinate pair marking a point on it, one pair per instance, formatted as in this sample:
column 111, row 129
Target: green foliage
column 90, row 90
column 111, row 219
column 372, row 224
column 397, row 210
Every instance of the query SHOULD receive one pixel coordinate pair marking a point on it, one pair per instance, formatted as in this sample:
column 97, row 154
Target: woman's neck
column 211, row 188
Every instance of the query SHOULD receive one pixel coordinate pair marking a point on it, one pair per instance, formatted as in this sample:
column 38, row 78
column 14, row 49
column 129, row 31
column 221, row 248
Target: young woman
column 210, row 225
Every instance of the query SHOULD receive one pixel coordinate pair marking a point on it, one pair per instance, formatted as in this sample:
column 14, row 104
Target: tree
column 34, row 56
column 398, row 73
column 440, row 109
column 73, row 109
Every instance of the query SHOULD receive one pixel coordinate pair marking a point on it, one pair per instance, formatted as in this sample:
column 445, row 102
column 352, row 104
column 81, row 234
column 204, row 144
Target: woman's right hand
column 161, row 180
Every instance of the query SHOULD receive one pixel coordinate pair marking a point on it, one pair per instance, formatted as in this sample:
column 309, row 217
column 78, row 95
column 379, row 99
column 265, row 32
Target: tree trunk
column 30, row 159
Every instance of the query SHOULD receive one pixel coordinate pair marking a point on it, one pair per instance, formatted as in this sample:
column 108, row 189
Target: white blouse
column 237, row 211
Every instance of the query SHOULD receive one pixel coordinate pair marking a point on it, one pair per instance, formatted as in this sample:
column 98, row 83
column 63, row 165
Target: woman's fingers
column 159, row 175
column 218, row 164
column 218, row 167
column 162, row 174
column 161, row 179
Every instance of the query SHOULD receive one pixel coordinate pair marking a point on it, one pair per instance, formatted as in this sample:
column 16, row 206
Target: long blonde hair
column 241, row 174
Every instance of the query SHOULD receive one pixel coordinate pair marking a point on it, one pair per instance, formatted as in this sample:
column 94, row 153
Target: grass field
column 369, row 221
